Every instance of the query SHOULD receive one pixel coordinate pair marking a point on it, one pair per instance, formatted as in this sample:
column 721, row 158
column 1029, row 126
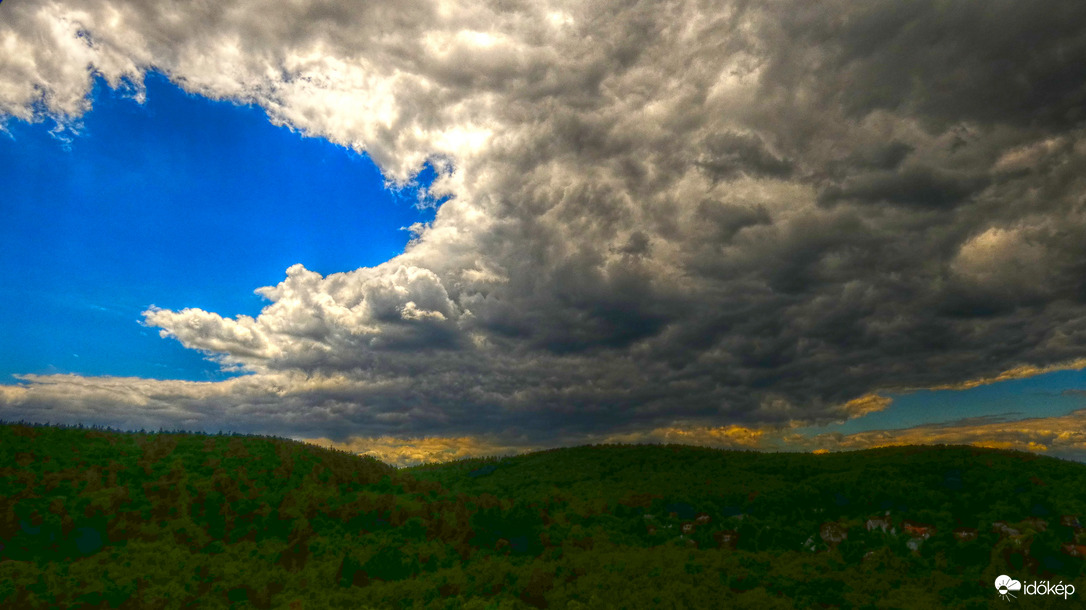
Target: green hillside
column 100, row 519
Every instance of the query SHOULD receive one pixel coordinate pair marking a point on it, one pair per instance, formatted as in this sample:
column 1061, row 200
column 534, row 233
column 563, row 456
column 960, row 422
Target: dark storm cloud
column 730, row 155
column 919, row 186
column 942, row 62
column 661, row 214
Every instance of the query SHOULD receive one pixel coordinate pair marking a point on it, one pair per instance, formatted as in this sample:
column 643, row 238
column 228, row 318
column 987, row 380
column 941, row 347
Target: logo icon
column 1005, row 584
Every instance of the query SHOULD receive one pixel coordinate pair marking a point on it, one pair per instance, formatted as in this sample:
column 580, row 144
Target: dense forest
column 93, row 518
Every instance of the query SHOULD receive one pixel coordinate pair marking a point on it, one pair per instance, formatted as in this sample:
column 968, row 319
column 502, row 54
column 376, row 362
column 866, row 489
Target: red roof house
column 917, row 530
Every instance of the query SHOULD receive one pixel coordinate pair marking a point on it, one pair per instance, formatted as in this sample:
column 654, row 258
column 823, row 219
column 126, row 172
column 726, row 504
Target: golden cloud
column 732, row 436
column 1019, row 372
column 403, row 452
column 868, row 403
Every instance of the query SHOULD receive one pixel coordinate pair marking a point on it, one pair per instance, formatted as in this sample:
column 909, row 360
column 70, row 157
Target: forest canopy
column 93, row 518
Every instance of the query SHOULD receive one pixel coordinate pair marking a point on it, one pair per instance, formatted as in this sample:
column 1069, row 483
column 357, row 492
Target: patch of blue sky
column 1048, row 395
column 177, row 202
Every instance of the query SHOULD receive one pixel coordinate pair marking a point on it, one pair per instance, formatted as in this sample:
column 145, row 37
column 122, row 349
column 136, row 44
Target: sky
column 178, row 201
column 428, row 230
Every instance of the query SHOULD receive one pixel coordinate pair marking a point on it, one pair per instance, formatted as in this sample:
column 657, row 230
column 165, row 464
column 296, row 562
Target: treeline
column 93, row 518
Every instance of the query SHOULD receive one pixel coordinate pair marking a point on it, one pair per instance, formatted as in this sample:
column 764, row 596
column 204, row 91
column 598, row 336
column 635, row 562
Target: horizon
column 444, row 230
column 409, row 463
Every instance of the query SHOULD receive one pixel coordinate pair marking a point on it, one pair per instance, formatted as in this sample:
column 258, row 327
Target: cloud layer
column 661, row 215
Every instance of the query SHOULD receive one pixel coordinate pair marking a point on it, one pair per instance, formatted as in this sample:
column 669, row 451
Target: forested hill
column 97, row 519
column 920, row 481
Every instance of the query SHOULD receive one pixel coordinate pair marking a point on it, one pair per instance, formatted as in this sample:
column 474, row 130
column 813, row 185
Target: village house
column 965, row 534
column 1003, row 529
column 917, row 530
column 832, row 533
column 688, row 528
column 1074, row 550
column 879, row 523
column 702, row 518
column 726, row 539
column 1070, row 521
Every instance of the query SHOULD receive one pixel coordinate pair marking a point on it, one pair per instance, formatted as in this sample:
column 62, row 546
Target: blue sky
column 1048, row 395
column 176, row 202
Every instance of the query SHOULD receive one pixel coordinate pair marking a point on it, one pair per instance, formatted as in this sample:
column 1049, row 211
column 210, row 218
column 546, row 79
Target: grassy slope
column 91, row 518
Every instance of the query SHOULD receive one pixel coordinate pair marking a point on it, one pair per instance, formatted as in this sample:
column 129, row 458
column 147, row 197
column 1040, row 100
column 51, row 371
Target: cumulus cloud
column 660, row 215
